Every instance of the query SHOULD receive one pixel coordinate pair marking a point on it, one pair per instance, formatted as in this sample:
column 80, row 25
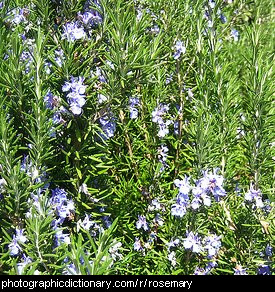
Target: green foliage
column 76, row 184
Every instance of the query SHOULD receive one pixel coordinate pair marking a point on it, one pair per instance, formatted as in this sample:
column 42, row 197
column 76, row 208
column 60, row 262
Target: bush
column 136, row 137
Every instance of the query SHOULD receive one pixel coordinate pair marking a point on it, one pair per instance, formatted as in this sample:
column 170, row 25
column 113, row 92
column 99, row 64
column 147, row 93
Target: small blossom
column 142, row 223
column 108, row 125
column 21, row 266
column 254, row 196
column 264, row 270
column 172, row 258
column 138, row 245
column 268, row 250
column 192, row 242
column 212, row 245
column 240, row 270
column 62, row 238
column 235, row 34
column 179, row 49
column 73, row 31
column 133, row 104
column 113, row 250
column 183, row 185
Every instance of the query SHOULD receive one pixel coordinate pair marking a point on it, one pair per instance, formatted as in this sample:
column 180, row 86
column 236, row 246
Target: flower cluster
column 91, row 17
column 211, row 184
column 133, row 103
column 18, row 238
column 76, row 94
column 73, row 31
column 162, row 156
column 254, row 196
column 180, row 49
column 209, row 246
column 63, row 209
column 108, row 125
column 158, row 117
column 149, row 228
column 90, row 225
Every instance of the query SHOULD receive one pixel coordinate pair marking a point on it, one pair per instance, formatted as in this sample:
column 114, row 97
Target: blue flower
column 61, row 237
column 264, row 270
column 172, row 258
column 14, row 246
column 59, row 57
column 178, row 209
column 158, row 117
column 268, row 250
column 61, row 205
column 86, row 224
column 91, row 17
column 162, row 156
column 51, row 100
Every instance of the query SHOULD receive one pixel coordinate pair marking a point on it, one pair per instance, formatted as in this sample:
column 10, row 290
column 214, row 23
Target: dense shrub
column 136, row 137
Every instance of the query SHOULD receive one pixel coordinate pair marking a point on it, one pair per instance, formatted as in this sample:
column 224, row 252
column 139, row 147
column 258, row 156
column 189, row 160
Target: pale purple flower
column 155, row 29
column 240, row 270
column 20, row 235
column 172, row 258
column 178, row 209
column 59, row 57
column 73, row 31
column 14, row 247
column 108, row 125
column 173, row 243
column 91, row 17
column 51, row 100
column 254, row 195
column 138, row 245
column 21, row 266
column 179, row 49
column 113, row 251
column 142, row 223
column 268, row 250
column 235, row 34
column 212, row 4
column 183, row 185
column 223, row 18
column 200, row 271
column 162, row 156
column 86, row 223
column 62, row 237
column 212, row 245
column 192, row 242
column 133, row 104
column 213, row 183
column 75, row 96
